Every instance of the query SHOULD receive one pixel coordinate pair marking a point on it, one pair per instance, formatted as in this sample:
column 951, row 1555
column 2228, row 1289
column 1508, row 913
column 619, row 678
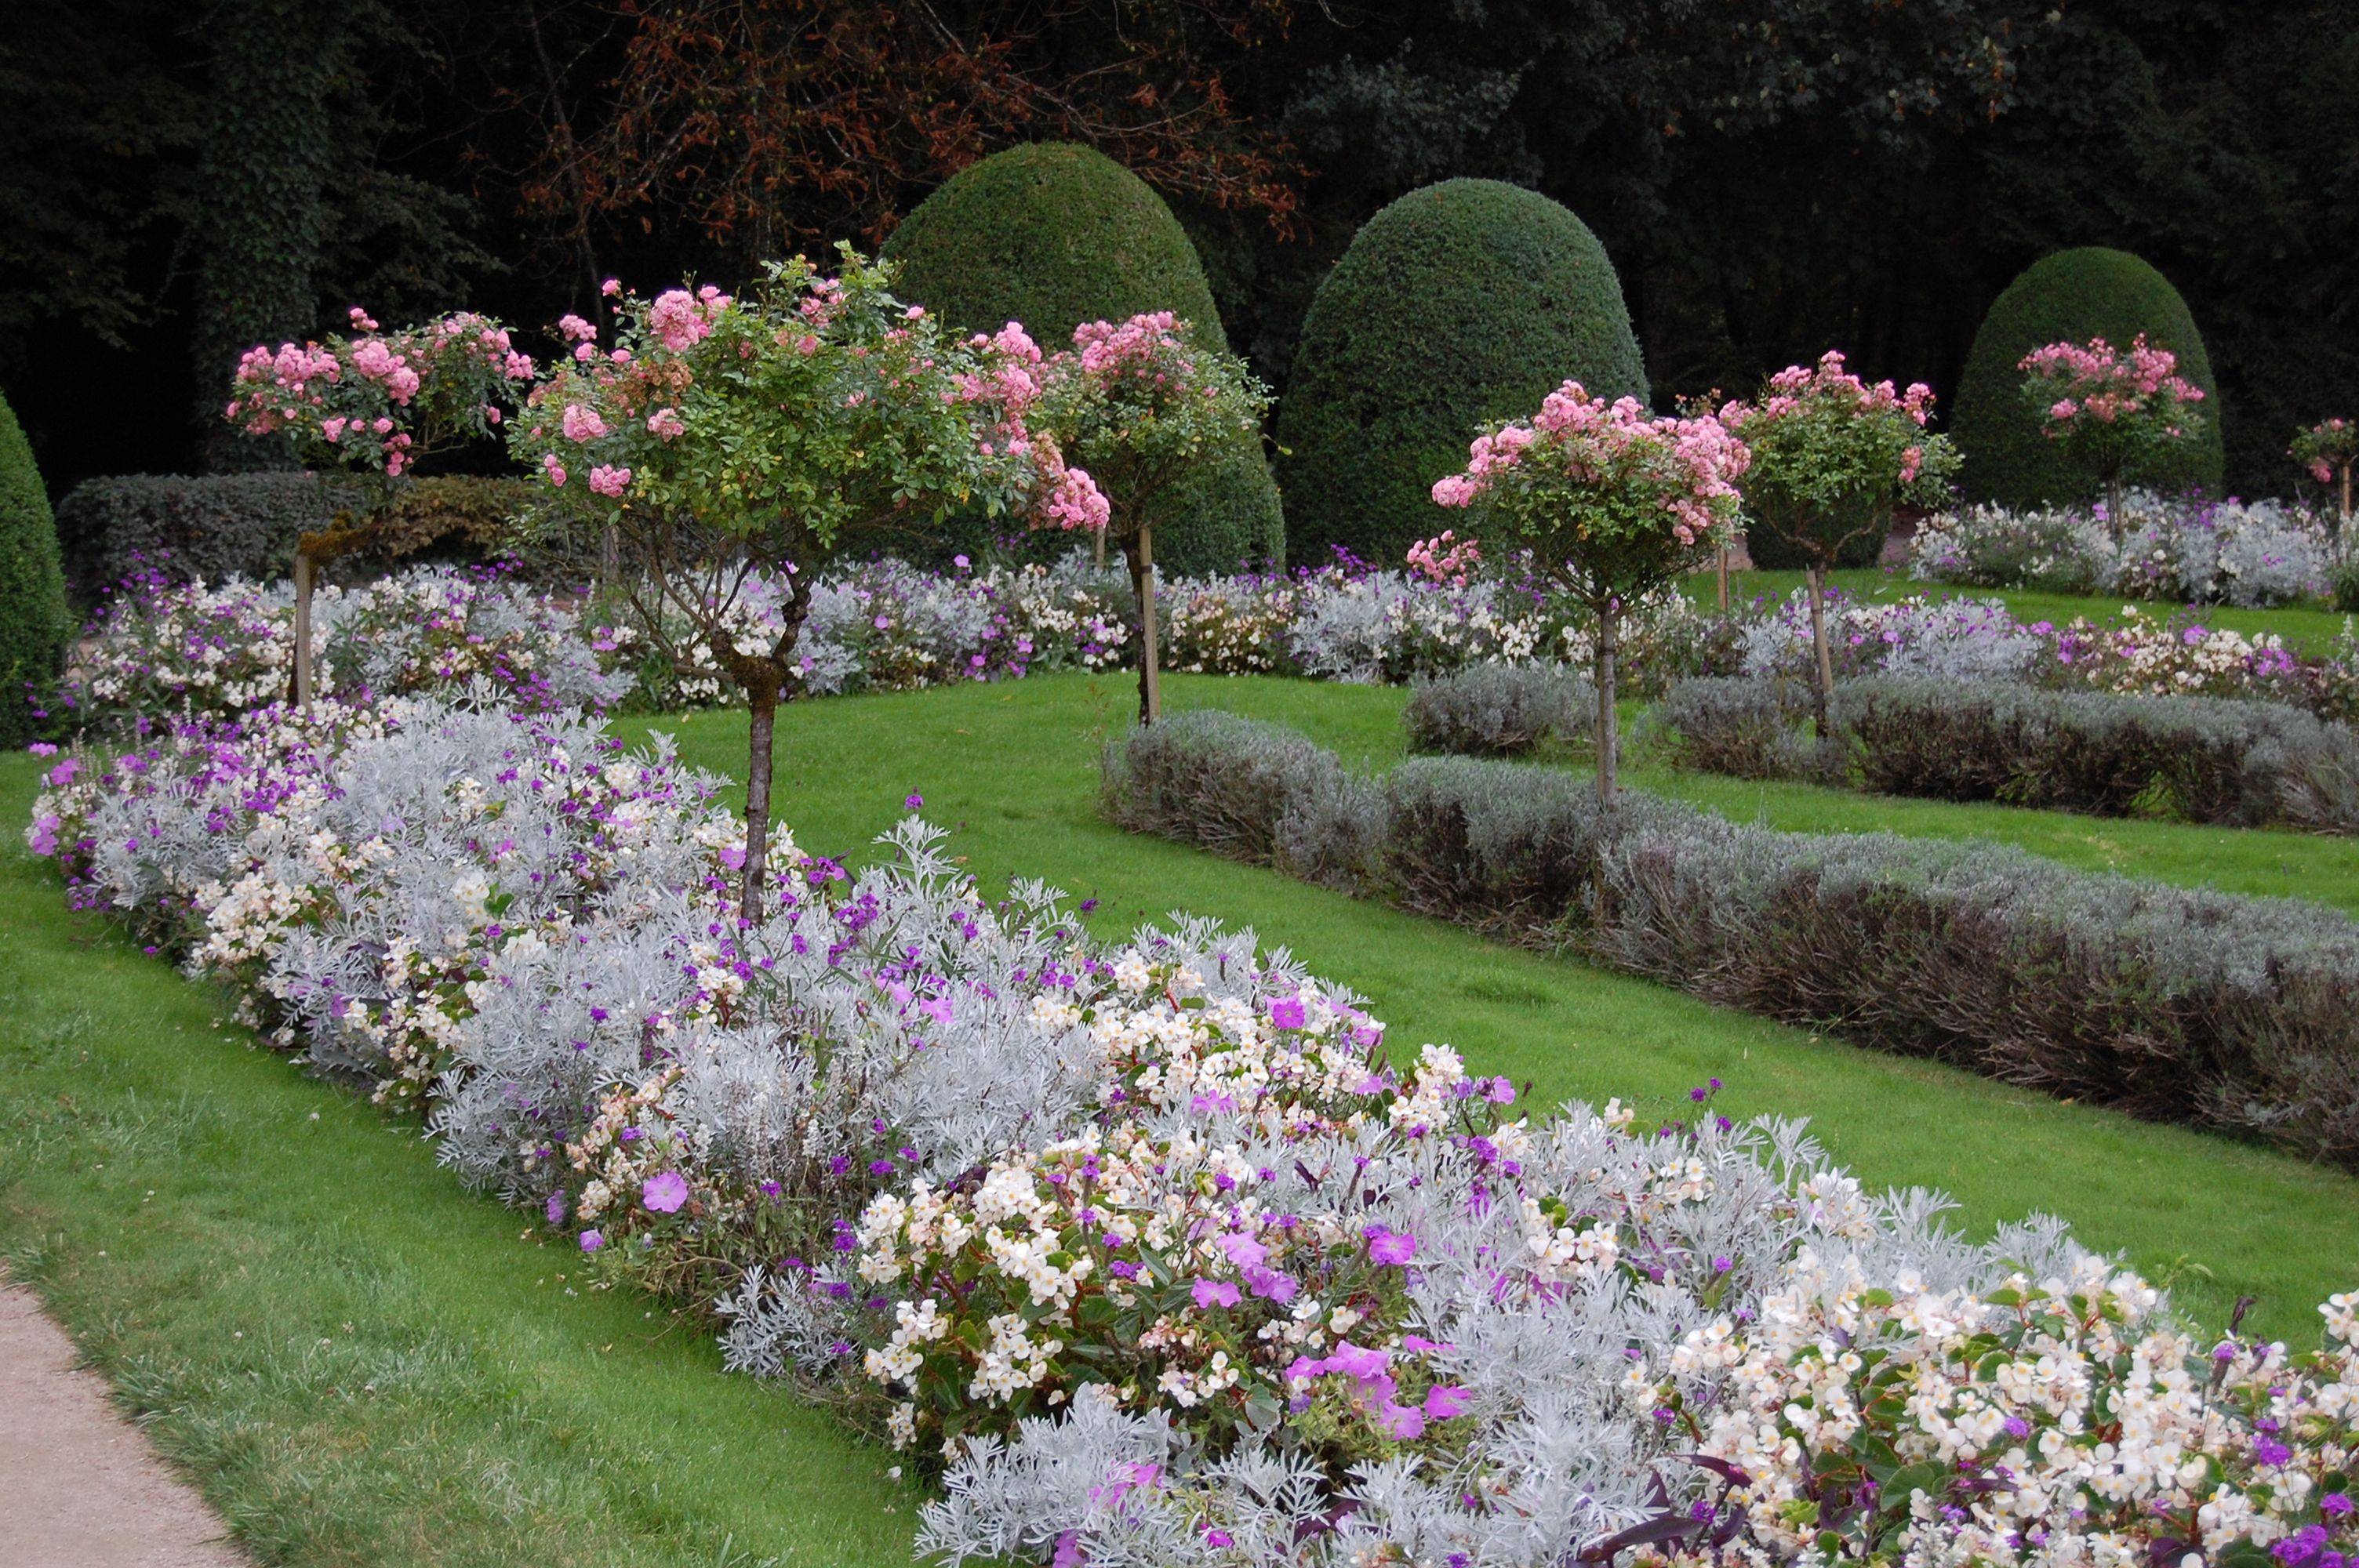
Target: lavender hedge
column 2240, row 1014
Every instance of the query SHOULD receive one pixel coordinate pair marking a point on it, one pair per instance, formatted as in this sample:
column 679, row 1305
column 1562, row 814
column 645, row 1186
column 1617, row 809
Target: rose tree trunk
column 1138, row 547
column 1609, row 642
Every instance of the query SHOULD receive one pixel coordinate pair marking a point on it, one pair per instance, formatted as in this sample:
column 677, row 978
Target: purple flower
column 1286, row 1013
column 1445, row 1401
column 664, row 1192
column 915, row 801
column 592, row 1240
column 1392, row 1248
column 1211, row 1294
column 556, row 1209
column 1269, row 1284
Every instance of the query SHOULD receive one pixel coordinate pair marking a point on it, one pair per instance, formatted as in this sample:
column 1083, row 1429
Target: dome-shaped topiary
column 1460, row 303
column 1053, row 235
column 33, row 623
column 2071, row 297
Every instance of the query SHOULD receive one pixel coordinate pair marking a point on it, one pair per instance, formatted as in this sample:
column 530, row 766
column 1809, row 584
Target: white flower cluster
column 2249, row 554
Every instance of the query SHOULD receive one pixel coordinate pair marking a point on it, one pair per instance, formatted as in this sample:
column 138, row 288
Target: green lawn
column 361, row 1363
column 2305, row 627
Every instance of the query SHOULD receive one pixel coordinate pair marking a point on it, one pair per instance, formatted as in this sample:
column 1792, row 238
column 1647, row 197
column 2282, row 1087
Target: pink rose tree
column 371, row 404
column 2330, row 449
column 1831, row 457
column 2108, row 408
column 720, row 440
column 1139, row 409
column 1610, row 501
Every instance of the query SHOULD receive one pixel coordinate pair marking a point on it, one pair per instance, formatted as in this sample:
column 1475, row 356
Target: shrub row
column 2197, row 759
column 1500, row 710
column 215, row 527
column 2172, row 1004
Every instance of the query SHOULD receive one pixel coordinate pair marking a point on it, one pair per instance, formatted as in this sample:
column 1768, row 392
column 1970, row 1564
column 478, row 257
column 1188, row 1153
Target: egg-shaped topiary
column 1460, row 303
column 1053, row 235
column 34, row 621
column 2072, row 296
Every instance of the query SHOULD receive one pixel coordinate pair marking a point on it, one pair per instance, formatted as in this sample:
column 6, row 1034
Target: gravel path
column 80, row 1486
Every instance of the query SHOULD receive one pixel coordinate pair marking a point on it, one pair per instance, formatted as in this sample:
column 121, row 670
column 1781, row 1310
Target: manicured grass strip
column 354, row 1359
column 2306, row 628
column 1013, row 770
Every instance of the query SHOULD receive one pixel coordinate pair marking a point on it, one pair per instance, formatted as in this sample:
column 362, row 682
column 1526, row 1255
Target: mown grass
column 2305, row 627
column 360, row 1363
column 356, row 1360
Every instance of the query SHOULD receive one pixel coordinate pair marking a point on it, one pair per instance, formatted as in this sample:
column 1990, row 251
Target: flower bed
column 2252, row 555
column 2178, row 1005
column 1153, row 1246
column 2197, row 759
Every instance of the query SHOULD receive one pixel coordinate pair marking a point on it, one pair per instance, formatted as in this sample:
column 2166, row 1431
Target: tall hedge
column 1053, row 235
column 34, row 624
column 1463, row 302
column 2073, row 296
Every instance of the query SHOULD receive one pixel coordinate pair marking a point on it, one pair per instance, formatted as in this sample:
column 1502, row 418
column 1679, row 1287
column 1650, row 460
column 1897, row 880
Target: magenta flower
column 1392, row 1248
column 592, row 1240
column 664, row 1192
column 1443, row 1401
column 1286, row 1013
column 1211, row 1294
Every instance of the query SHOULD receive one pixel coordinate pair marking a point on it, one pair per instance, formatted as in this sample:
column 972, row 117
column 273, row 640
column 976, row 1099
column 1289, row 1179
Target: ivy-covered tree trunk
column 269, row 146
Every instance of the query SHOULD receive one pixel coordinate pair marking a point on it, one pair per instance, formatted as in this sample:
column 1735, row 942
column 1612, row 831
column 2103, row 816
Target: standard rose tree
column 2330, row 449
column 1831, row 456
column 720, row 438
column 2108, row 408
column 1137, row 408
column 1610, row 501
column 370, row 405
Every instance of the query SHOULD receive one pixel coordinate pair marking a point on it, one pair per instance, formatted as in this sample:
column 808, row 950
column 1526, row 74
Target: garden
column 875, row 906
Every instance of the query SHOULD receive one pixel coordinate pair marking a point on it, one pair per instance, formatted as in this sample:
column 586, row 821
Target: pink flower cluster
column 1687, row 467
column 1368, row 1373
column 682, row 320
column 1144, row 346
column 1828, row 387
column 2096, row 383
column 375, row 400
column 1446, row 558
column 2329, row 444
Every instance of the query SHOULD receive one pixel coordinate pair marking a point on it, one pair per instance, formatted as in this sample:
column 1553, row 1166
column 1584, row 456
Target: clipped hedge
column 34, row 621
column 1460, row 303
column 2196, row 759
column 2073, row 296
column 1500, row 710
column 1053, row 235
column 220, row 526
column 2170, row 1003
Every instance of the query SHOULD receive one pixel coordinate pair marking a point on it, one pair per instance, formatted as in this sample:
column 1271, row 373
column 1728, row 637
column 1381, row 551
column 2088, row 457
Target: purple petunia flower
column 1392, row 1248
column 664, row 1192
column 1211, row 1294
column 592, row 1240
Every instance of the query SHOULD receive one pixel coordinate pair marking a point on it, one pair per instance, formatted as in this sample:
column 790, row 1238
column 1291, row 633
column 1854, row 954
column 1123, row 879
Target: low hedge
column 2240, row 1014
column 246, row 525
column 2196, row 759
column 1500, row 710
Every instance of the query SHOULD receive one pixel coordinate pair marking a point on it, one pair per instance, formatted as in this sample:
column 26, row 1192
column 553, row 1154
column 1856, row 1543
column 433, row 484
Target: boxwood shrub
column 2239, row 1014
column 1053, row 235
column 2073, row 294
column 1460, row 303
column 34, row 621
column 246, row 525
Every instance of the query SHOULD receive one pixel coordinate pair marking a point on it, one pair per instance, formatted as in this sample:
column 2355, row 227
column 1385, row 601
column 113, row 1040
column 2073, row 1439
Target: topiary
column 1460, row 303
column 1053, row 235
column 34, row 624
column 2073, row 296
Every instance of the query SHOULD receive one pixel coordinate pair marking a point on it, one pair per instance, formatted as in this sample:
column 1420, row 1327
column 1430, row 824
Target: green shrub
column 1053, row 235
column 33, row 623
column 246, row 525
column 2073, row 296
column 1772, row 552
column 1464, row 302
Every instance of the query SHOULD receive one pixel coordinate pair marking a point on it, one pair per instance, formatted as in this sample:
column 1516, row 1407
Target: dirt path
column 80, row 1486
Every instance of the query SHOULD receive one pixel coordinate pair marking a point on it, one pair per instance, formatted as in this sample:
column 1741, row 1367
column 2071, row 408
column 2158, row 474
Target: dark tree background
column 1771, row 177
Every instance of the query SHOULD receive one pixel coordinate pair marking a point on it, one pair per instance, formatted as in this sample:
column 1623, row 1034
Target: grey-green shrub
column 2195, row 758
column 2171, row 1004
column 1499, row 711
